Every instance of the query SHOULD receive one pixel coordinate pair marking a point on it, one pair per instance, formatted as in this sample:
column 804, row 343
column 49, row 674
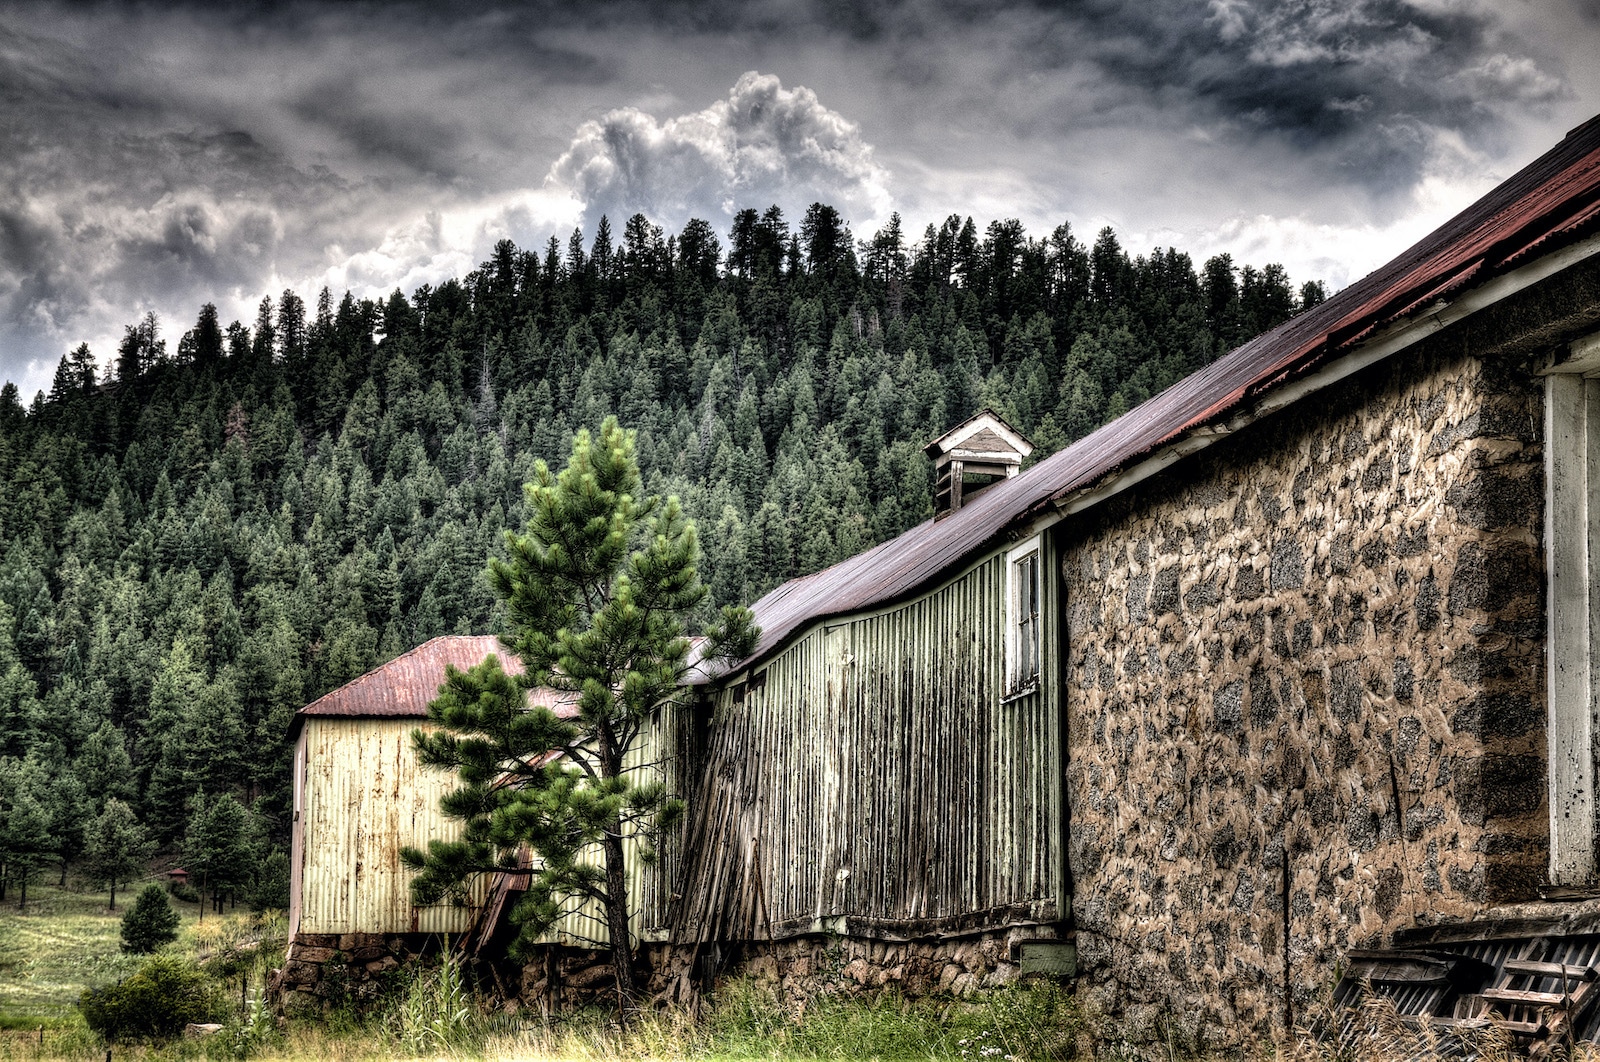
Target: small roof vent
column 980, row 451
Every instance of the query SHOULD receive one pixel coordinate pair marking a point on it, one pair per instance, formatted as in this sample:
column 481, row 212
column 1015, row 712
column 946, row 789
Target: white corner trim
column 1022, row 549
column 1569, row 729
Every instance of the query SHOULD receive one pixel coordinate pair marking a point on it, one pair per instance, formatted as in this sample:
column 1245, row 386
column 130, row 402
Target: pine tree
column 217, row 847
column 595, row 592
column 151, row 923
column 25, row 843
column 118, row 849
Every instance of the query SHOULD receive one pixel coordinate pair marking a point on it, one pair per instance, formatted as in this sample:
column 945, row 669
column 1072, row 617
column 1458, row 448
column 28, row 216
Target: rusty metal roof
column 403, row 687
column 1552, row 202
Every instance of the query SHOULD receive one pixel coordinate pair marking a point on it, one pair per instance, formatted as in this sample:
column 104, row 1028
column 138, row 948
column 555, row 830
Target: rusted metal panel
column 402, row 687
column 1552, row 202
column 879, row 780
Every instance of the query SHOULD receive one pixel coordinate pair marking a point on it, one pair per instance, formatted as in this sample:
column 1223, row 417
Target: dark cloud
column 159, row 156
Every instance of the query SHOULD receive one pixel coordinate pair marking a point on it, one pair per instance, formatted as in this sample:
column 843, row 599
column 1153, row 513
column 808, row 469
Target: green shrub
column 150, row 923
column 156, row 1003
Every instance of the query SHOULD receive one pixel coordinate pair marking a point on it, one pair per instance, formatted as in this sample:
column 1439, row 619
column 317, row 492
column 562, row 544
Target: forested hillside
column 237, row 518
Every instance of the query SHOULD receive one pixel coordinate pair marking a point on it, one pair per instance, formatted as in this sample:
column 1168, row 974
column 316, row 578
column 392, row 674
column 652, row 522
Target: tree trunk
column 617, row 919
column 113, row 894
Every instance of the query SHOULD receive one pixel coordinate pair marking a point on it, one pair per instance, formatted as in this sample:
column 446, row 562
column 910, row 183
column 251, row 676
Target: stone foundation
column 797, row 968
column 324, row 970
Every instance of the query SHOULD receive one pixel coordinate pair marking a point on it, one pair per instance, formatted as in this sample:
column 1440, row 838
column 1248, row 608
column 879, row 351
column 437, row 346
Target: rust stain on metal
column 1555, row 200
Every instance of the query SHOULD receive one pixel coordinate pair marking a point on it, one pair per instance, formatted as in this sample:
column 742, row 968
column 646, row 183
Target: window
column 1022, row 618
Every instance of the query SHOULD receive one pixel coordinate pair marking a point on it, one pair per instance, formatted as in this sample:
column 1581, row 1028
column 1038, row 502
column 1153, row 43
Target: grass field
column 67, row 940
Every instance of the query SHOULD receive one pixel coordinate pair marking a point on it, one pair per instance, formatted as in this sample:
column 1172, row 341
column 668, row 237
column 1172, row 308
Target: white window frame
column 1572, row 657
column 1022, row 678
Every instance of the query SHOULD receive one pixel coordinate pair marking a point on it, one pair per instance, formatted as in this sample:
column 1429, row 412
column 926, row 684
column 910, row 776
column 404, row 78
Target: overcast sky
column 155, row 157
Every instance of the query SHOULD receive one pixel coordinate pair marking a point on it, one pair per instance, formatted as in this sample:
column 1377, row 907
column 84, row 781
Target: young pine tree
column 217, row 847
column 150, row 923
column 118, row 848
column 596, row 590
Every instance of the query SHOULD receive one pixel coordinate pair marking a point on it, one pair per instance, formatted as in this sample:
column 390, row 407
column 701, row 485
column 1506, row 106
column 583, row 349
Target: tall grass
column 748, row 1020
column 437, row 1013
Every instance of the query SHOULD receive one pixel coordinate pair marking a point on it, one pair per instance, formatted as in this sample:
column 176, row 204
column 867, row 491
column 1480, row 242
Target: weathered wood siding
column 874, row 779
column 362, row 795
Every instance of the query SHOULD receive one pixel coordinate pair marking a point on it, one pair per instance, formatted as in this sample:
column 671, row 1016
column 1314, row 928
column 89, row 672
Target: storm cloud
column 157, row 157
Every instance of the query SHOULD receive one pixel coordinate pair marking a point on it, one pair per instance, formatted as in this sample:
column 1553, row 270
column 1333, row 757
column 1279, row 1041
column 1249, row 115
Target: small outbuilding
column 361, row 795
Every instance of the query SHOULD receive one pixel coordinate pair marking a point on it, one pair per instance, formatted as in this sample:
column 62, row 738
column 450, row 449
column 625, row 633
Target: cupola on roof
column 981, row 450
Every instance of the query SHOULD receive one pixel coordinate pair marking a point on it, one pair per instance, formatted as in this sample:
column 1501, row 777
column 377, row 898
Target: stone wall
column 1304, row 673
column 323, row 970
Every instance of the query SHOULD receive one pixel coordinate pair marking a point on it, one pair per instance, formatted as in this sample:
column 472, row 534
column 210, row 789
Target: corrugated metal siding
column 365, row 797
column 660, row 754
column 879, row 775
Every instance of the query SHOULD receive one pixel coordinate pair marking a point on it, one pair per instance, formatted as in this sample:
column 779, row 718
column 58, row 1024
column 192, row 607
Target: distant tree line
column 221, row 529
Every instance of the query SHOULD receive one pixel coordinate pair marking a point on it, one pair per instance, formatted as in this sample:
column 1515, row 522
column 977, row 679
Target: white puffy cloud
column 760, row 145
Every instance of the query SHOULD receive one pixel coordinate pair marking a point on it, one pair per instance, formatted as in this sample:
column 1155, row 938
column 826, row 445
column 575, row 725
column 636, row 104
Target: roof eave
column 1320, row 373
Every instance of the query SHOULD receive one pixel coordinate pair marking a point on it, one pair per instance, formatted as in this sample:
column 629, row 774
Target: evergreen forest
column 232, row 519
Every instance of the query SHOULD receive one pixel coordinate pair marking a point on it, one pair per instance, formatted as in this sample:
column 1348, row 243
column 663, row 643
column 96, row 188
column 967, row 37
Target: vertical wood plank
column 1571, row 756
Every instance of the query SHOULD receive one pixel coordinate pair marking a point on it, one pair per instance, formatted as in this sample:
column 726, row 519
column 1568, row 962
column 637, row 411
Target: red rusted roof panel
column 403, row 687
column 1553, row 201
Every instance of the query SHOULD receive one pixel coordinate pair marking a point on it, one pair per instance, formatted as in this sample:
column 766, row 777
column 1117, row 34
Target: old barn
column 1288, row 663
column 360, row 795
